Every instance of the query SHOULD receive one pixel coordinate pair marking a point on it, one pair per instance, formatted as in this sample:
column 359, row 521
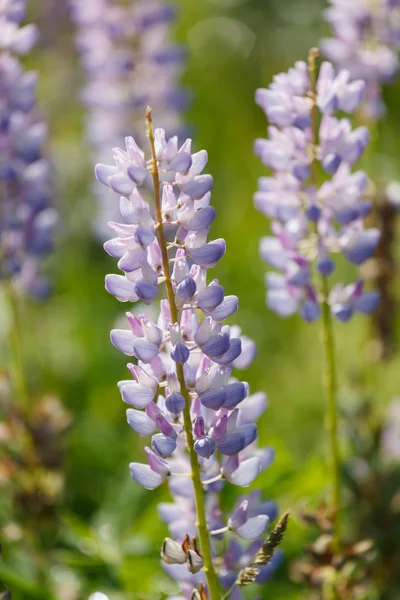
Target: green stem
column 17, row 371
column 327, row 328
column 332, row 420
column 204, row 536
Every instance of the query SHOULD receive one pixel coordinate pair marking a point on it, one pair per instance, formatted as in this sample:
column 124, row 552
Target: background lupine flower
column 182, row 394
column 27, row 219
column 312, row 223
column 129, row 63
column 366, row 42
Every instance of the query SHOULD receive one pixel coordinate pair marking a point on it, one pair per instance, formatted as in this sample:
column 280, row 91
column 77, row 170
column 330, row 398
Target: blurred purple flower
column 129, row 63
column 311, row 223
column 366, row 42
column 27, row 219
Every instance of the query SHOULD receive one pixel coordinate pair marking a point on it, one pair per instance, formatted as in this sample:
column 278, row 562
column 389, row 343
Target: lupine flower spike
column 316, row 204
column 129, row 62
column 366, row 42
column 200, row 419
column 27, row 219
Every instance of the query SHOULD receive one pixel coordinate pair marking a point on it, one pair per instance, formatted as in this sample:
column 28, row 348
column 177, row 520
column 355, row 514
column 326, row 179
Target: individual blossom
column 314, row 218
column 129, row 62
column 183, row 398
column 27, row 219
column 366, row 42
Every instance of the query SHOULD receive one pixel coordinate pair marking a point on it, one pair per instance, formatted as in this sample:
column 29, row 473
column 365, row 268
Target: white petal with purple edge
column 121, row 288
column 136, row 395
column 122, row 339
column 145, row 476
column 140, row 422
column 245, row 473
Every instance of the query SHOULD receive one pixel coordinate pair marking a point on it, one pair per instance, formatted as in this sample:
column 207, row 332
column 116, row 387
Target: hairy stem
column 204, row 536
column 327, row 329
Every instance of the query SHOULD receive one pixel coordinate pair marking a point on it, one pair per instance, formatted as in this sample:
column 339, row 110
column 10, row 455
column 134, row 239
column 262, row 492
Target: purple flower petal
column 367, row 302
column 161, row 444
column 217, row 345
column 145, row 476
column 181, row 163
column 239, row 516
column 209, row 254
column 121, row 288
column 213, row 398
column 210, row 297
column 310, row 311
column 144, row 350
column 249, row 433
column 136, row 395
column 180, row 354
column 231, row 443
column 132, row 260
column 202, row 219
column 198, row 186
column 253, row 528
column 234, row 393
column 253, row 407
column 146, row 291
column 232, row 354
column 204, row 446
column 140, row 422
column 245, row 474
column 362, row 246
column 136, row 173
column 175, row 403
column 187, row 288
column 104, row 172
column 228, row 306
column 121, row 184
column 115, row 248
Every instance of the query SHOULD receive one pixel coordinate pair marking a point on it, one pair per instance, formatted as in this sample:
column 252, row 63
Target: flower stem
column 17, row 371
column 332, row 415
column 204, row 535
column 327, row 329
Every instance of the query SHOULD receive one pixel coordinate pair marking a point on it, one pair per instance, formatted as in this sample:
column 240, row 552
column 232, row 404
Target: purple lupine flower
column 184, row 362
column 27, row 219
column 365, row 42
column 129, row 63
column 311, row 223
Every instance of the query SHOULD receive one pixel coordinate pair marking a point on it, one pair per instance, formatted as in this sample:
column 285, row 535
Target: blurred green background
column 107, row 538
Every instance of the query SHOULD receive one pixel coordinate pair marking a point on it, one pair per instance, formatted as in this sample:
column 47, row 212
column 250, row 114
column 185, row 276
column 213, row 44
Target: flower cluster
column 182, row 395
column 27, row 219
column 366, row 42
column 249, row 520
column 312, row 222
column 129, row 63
